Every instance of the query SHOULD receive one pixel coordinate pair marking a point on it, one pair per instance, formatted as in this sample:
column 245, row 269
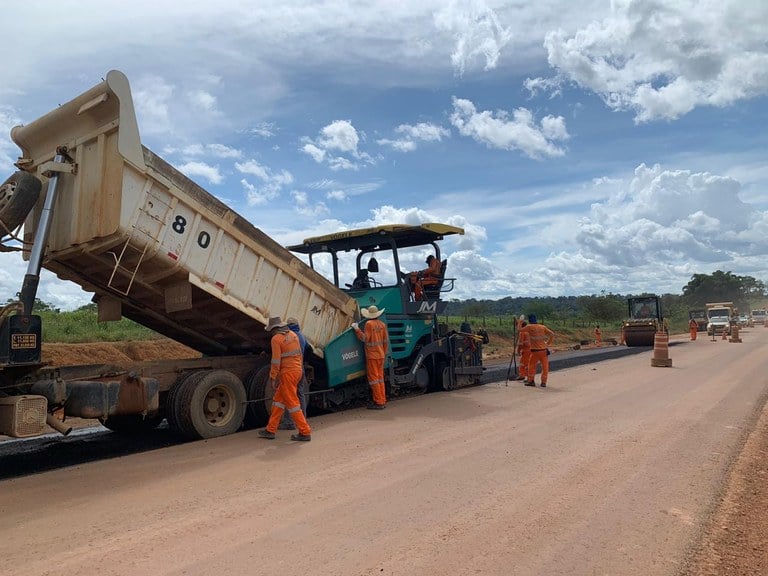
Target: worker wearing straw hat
column 376, row 341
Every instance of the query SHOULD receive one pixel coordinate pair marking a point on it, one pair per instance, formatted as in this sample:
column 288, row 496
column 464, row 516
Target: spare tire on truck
column 18, row 195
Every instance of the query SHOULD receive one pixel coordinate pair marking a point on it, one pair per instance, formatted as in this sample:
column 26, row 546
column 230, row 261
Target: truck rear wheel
column 212, row 405
column 172, row 405
column 260, row 395
column 18, row 194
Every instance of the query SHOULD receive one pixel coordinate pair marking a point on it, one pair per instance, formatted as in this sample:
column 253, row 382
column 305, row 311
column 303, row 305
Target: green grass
column 568, row 332
column 82, row 326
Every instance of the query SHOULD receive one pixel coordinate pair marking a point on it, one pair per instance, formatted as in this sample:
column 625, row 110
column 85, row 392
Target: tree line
column 746, row 292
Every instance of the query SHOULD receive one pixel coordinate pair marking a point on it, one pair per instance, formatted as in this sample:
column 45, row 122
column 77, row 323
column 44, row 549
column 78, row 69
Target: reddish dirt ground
column 736, row 541
column 115, row 352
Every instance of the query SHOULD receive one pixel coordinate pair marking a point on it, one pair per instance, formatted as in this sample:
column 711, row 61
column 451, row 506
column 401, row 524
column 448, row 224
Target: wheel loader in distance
column 645, row 319
column 100, row 209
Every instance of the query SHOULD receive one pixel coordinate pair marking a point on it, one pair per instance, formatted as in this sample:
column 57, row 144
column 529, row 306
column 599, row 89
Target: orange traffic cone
column 661, row 357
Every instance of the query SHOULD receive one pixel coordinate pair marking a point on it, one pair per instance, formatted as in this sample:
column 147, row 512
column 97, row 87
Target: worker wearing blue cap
column 540, row 339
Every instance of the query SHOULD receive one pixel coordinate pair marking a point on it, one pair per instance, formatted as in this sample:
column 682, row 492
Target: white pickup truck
column 719, row 321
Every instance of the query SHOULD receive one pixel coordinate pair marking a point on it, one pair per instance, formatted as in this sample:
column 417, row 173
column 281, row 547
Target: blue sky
column 587, row 146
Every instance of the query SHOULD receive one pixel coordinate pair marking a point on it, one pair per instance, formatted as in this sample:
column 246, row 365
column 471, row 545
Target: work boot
column 301, row 437
column 266, row 434
column 530, row 383
column 375, row 407
column 543, row 384
column 520, row 378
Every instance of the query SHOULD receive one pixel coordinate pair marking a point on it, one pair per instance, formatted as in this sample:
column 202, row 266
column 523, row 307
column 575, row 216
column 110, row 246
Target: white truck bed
column 156, row 247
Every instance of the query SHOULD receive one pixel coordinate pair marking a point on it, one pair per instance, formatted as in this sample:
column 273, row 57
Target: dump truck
column 759, row 317
column 720, row 317
column 699, row 315
column 100, row 209
column 645, row 319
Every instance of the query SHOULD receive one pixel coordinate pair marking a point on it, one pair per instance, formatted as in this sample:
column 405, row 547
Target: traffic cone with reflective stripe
column 661, row 357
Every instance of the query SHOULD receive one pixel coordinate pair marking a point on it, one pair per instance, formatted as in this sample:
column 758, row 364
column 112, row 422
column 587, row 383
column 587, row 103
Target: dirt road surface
column 615, row 468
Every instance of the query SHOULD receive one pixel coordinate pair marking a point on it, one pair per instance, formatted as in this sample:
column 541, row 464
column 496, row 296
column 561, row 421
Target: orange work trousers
column 693, row 333
column 538, row 356
column 286, row 398
column 375, row 369
column 525, row 357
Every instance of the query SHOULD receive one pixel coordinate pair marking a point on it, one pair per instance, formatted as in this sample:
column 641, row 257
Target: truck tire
column 131, row 424
column 172, row 403
column 18, row 195
column 260, row 395
column 212, row 405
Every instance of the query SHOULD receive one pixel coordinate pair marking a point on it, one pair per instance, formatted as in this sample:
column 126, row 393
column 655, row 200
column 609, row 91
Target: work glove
column 354, row 325
column 272, row 383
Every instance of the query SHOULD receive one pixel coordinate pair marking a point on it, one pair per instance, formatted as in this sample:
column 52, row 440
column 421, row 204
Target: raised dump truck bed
column 157, row 248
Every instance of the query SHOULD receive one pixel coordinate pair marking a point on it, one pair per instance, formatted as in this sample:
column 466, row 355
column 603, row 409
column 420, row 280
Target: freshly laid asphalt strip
column 569, row 359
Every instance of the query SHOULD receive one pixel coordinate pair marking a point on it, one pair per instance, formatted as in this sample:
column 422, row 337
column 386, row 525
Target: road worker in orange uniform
column 540, row 338
column 693, row 325
column 286, row 371
column 524, row 349
column 598, row 336
column 376, row 341
column 427, row 277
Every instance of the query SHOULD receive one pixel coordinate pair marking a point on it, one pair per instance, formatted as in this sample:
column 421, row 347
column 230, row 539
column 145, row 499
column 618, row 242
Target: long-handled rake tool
column 513, row 360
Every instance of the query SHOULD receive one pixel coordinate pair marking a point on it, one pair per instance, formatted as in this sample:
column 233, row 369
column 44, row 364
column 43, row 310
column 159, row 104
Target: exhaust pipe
column 58, row 425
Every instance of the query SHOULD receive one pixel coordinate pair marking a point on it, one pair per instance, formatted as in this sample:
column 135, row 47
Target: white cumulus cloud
column 672, row 216
column 412, row 134
column 271, row 182
column 337, row 144
column 516, row 132
column 663, row 59
column 477, row 31
column 211, row 173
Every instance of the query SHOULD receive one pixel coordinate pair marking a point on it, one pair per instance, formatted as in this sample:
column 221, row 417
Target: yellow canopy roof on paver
column 404, row 235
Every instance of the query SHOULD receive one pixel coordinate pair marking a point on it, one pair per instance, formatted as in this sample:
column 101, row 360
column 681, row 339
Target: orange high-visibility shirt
column 375, row 338
column 539, row 335
column 524, row 341
column 286, row 354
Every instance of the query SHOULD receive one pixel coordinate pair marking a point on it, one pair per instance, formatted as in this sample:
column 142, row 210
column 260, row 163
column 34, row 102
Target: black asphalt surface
column 21, row 457
column 559, row 360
